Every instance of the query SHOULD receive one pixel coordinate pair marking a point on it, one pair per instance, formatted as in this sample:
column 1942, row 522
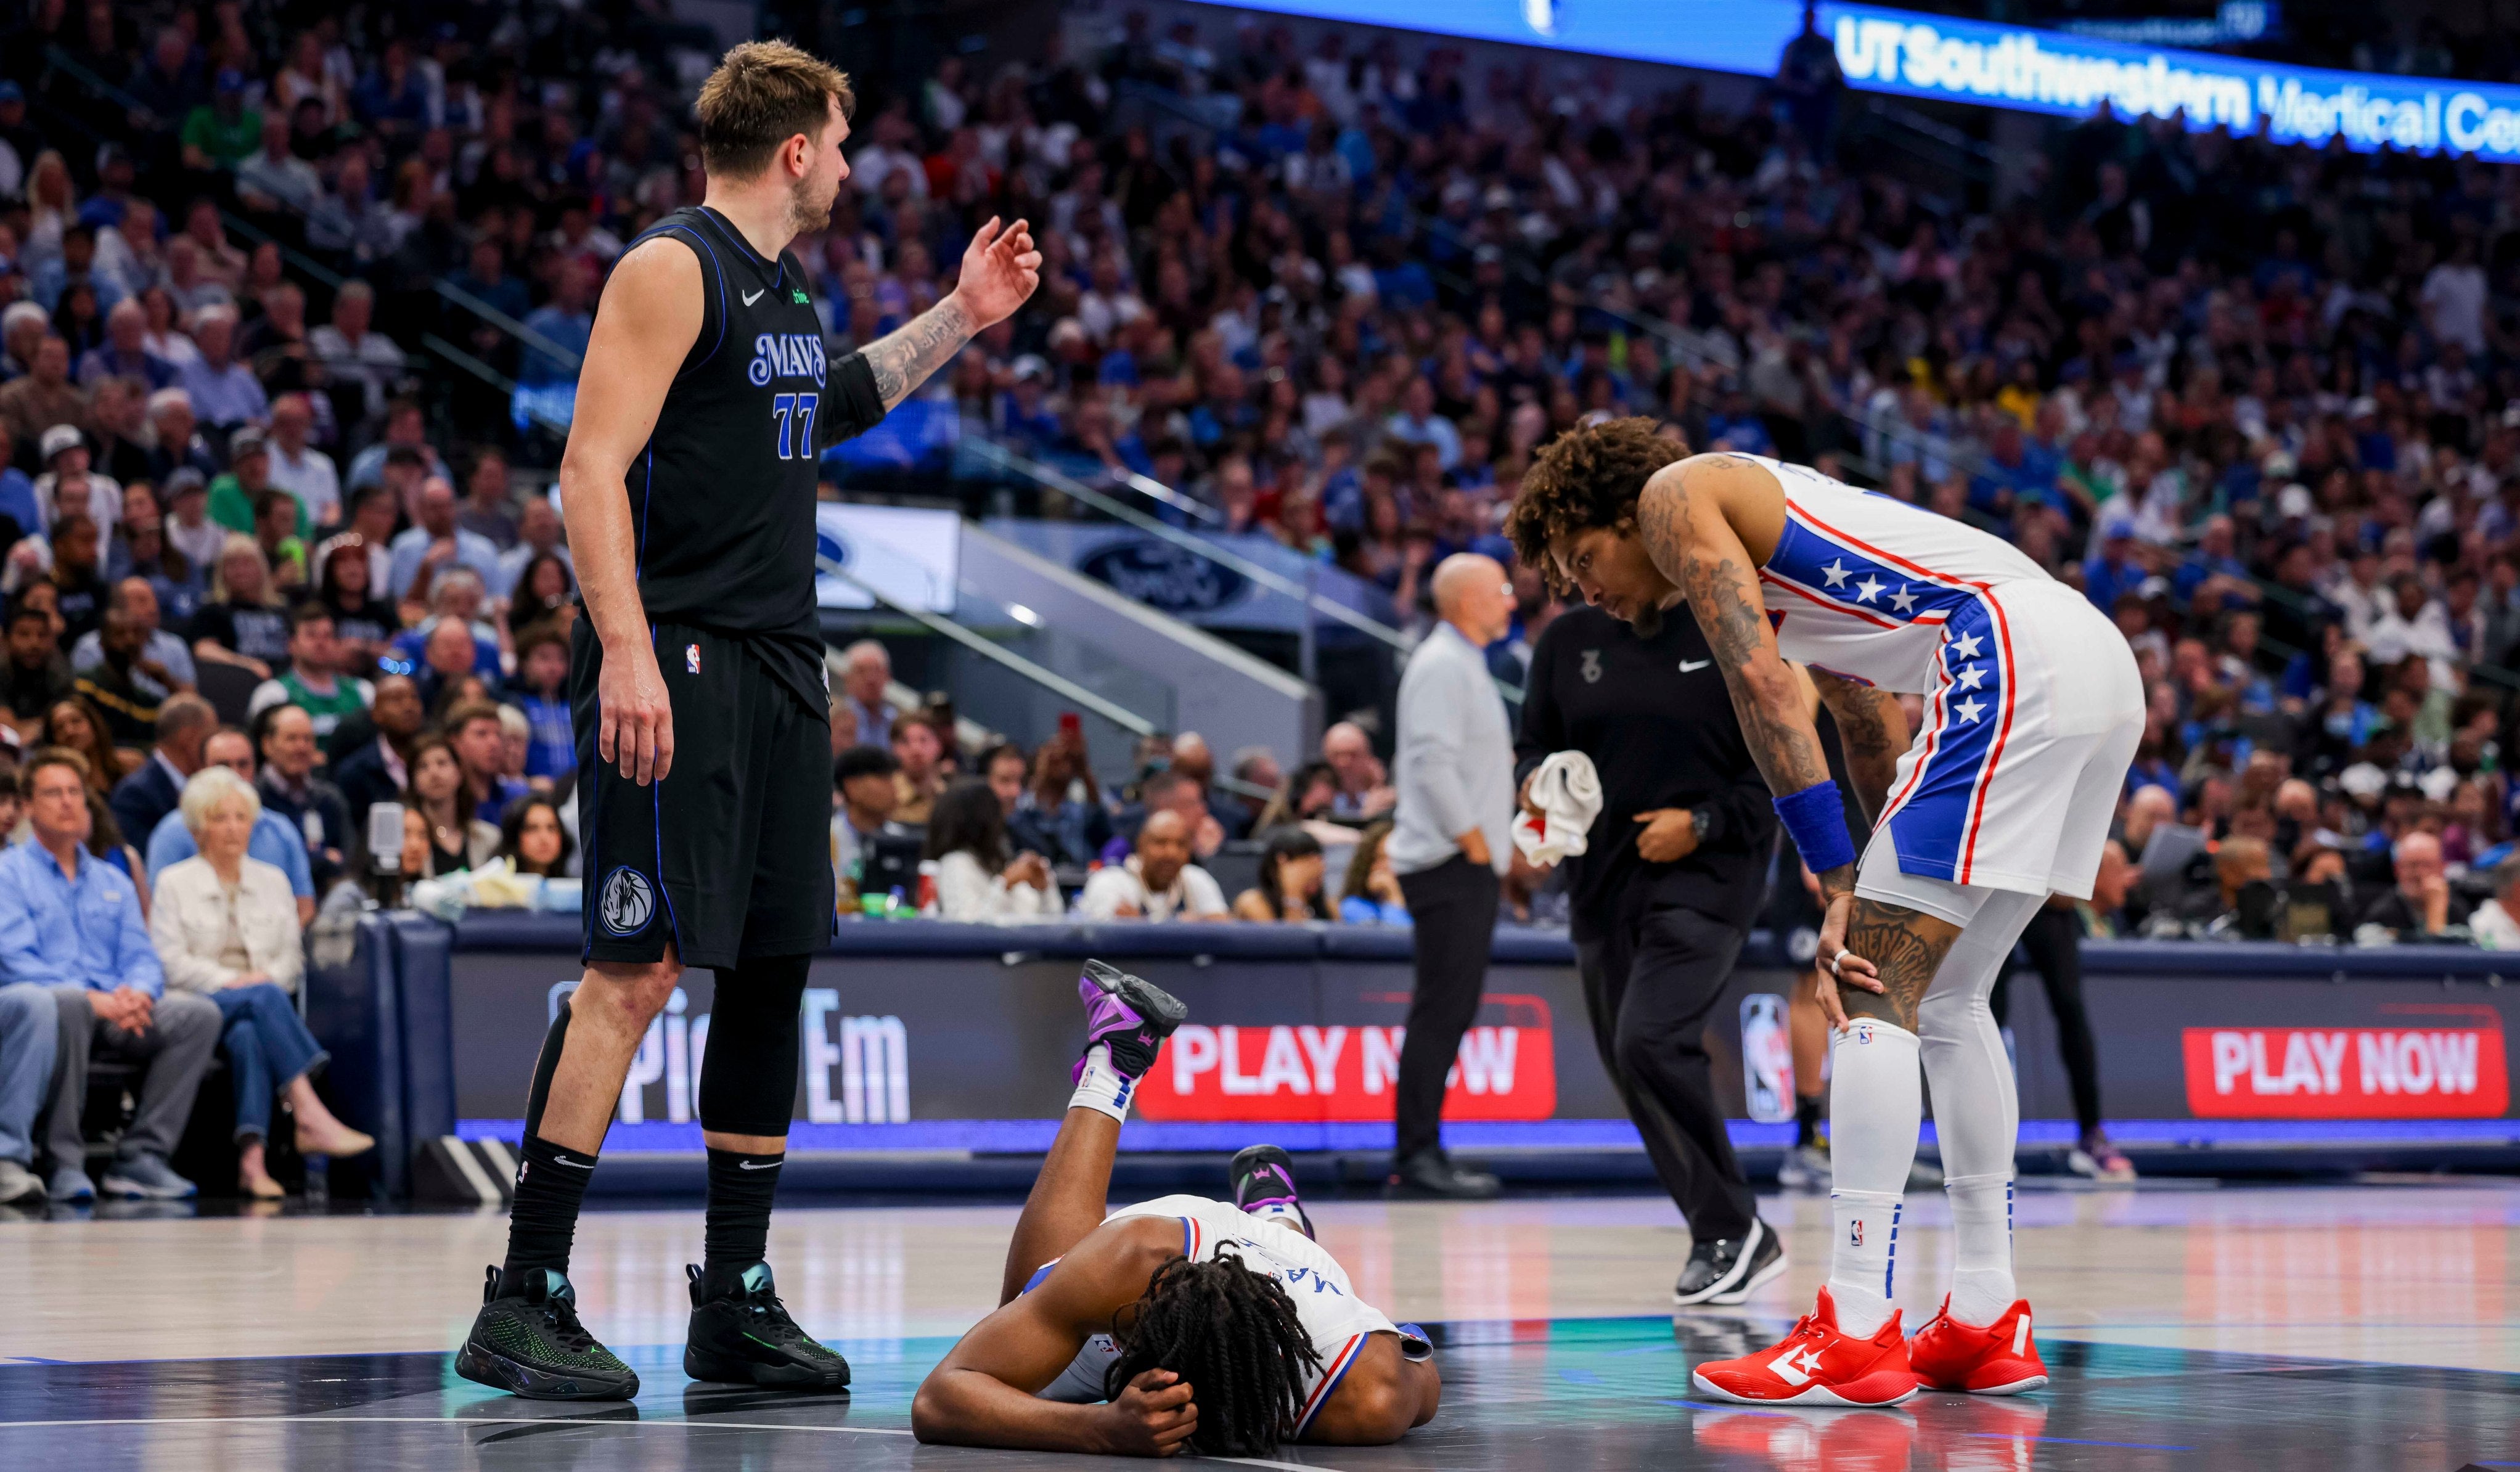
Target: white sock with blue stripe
column 1875, row 1102
column 1982, row 1285
column 1101, row 1087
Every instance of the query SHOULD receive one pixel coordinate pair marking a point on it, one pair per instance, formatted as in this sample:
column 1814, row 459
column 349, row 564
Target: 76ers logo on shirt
column 627, row 903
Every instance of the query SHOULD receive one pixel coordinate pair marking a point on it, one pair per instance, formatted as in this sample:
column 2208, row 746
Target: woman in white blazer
column 225, row 926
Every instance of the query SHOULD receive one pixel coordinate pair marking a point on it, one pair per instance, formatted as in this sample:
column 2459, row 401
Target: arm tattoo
column 1873, row 731
column 1724, row 592
column 902, row 360
column 1908, row 946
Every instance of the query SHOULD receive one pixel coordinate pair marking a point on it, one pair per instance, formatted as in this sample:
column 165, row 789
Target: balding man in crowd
column 1158, row 882
column 2422, row 904
column 1451, row 845
column 863, row 717
column 1196, row 762
column 165, row 666
column 436, row 542
column 1362, row 791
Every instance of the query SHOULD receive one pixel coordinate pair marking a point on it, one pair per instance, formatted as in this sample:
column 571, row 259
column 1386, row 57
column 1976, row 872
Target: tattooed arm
column 1874, row 731
column 1000, row 271
column 1681, row 522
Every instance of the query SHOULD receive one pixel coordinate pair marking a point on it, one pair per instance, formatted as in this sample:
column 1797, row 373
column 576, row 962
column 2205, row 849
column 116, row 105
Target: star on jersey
column 1972, row 677
column 1966, row 646
column 1836, row 572
column 1869, row 590
column 1903, row 599
column 1972, row 708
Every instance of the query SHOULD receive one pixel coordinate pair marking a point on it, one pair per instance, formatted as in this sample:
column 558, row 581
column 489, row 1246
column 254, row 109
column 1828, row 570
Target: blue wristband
column 1816, row 816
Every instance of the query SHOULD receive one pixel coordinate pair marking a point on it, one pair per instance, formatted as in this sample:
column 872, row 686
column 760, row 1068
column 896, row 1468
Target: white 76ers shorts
column 2013, row 778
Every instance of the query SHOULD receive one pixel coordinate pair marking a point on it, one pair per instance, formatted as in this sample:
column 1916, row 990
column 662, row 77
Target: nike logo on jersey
column 749, row 297
column 1693, row 666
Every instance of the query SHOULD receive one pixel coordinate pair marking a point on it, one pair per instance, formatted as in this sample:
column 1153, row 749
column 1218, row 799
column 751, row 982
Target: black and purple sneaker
column 1128, row 1014
column 1264, row 1185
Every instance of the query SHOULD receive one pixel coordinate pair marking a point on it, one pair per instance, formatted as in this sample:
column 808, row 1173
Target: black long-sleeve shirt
column 1656, row 718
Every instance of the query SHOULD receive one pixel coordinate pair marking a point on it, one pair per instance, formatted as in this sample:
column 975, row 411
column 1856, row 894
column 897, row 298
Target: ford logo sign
column 1164, row 577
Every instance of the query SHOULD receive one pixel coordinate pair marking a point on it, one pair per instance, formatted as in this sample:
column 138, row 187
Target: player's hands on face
column 1154, row 1417
column 635, row 722
column 1670, row 835
column 1837, row 971
column 1000, row 271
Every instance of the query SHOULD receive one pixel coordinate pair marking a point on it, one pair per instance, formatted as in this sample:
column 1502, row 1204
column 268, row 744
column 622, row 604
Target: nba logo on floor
column 691, row 657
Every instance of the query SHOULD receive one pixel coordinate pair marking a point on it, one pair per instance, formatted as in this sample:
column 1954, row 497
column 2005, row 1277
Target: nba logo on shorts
column 626, row 902
column 691, row 657
column 1767, row 1058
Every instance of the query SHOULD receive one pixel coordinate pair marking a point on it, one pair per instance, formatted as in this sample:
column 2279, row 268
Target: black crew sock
column 550, row 1186
column 739, row 1189
column 1806, row 1119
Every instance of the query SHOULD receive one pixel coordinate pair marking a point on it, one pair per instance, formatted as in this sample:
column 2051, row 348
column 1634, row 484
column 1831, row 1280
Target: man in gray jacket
column 1450, row 842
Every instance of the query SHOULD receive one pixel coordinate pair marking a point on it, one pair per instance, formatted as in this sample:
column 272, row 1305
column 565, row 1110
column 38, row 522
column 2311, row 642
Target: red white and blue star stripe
column 1846, row 591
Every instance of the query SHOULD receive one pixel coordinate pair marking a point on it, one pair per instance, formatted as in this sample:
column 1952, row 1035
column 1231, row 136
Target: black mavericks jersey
column 722, row 496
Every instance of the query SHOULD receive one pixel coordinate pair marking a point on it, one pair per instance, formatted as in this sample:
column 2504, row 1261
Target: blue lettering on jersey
column 787, row 355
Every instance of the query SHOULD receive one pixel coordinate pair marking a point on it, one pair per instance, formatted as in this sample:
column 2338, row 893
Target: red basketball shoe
column 1999, row 1359
column 1817, row 1364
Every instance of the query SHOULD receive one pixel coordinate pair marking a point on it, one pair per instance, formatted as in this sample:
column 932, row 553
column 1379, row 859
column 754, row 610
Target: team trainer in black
column 697, row 696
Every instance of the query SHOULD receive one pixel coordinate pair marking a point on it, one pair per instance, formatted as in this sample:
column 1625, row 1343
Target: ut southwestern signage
column 2035, row 70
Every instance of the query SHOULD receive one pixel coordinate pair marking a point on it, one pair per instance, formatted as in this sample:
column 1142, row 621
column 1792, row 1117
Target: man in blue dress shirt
column 70, row 921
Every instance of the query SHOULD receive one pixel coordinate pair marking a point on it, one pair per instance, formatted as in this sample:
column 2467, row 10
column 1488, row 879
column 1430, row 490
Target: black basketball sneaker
column 1264, row 1185
column 1723, row 1271
column 741, row 1332
column 1129, row 1014
column 528, row 1342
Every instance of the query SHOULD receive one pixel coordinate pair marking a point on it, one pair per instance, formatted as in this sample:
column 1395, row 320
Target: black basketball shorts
column 729, row 856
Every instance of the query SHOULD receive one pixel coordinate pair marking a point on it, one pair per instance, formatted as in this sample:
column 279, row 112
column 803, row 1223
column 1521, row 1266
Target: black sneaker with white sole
column 1724, row 1271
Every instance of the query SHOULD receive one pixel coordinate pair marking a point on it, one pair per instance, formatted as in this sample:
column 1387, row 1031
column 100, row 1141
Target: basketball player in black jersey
column 703, row 721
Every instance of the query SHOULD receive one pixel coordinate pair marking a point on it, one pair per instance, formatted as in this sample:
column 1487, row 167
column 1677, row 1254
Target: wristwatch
column 1708, row 820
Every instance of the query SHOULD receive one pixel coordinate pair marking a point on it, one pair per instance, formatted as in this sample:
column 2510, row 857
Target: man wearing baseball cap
column 69, row 485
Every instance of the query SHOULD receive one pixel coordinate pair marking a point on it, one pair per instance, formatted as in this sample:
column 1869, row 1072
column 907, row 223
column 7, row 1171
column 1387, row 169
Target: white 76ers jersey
column 1865, row 584
column 1326, row 1302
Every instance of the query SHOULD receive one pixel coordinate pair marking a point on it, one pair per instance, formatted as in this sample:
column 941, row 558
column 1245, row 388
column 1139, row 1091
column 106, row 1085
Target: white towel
column 1568, row 793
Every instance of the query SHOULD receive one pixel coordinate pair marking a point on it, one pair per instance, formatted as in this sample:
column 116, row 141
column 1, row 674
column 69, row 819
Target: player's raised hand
column 1155, row 1416
column 635, row 717
column 1000, row 271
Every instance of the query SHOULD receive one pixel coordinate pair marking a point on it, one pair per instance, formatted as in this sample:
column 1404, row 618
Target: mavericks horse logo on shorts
column 627, row 902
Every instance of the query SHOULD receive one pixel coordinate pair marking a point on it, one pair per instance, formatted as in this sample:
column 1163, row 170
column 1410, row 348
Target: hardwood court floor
column 2368, row 1326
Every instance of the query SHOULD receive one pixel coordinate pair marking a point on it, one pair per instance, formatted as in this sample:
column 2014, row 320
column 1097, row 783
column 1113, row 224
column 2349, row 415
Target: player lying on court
column 1180, row 1325
column 2033, row 711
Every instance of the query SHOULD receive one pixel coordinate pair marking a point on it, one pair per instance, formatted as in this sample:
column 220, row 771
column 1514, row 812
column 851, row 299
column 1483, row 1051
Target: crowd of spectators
column 2261, row 404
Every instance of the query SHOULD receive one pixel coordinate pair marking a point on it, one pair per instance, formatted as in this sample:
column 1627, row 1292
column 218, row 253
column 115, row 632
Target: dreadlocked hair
column 1587, row 477
column 1232, row 1335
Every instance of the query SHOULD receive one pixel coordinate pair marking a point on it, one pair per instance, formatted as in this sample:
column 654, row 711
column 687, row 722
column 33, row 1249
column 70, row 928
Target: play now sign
column 2455, row 1072
column 1337, row 1074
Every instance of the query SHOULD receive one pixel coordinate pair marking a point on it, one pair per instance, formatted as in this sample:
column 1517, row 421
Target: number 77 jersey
column 722, row 495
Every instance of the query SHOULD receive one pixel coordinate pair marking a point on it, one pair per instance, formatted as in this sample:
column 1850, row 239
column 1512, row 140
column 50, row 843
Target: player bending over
column 1181, row 1324
column 2032, row 709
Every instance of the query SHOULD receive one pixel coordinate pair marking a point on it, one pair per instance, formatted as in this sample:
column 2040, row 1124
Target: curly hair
column 1231, row 1333
column 1585, row 478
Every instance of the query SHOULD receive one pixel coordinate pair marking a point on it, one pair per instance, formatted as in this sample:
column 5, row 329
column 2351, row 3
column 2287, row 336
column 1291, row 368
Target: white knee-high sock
column 1101, row 1087
column 1982, row 1286
column 1977, row 1111
column 1876, row 1102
